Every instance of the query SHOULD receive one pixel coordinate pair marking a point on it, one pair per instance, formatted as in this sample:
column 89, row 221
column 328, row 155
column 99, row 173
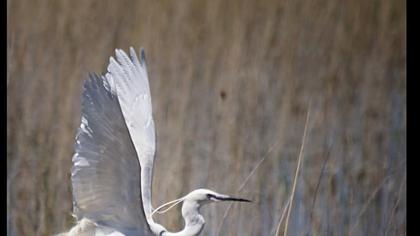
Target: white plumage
column 114, row 154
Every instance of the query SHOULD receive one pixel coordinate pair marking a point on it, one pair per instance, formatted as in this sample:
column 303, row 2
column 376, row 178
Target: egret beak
column 229, row 198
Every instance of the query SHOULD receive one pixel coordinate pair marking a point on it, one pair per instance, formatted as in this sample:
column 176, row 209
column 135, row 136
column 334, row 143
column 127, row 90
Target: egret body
column 114, row 154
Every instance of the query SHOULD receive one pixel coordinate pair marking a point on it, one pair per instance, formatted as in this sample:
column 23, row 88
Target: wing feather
column 131, row 81
column 106, row 173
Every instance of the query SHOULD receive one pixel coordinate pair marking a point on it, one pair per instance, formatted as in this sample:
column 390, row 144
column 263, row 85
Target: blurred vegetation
column 230, row 80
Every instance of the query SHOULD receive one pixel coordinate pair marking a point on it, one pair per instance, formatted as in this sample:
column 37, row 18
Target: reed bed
column 231, row 82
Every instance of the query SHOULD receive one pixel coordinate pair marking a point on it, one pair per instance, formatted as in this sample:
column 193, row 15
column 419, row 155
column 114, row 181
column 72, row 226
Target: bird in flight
column 114, row 153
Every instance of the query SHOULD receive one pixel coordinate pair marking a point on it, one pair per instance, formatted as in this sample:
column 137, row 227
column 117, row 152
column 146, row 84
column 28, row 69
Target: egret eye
column 210, row 196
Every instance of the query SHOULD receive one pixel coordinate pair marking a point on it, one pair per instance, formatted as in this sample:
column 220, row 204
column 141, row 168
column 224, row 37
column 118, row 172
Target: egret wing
column 132, row 85
column 106, row 173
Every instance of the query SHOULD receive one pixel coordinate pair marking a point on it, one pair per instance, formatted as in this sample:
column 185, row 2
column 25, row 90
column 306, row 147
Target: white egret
column 114, row 154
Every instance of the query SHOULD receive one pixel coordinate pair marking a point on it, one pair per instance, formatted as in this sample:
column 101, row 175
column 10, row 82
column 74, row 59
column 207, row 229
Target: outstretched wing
column 132, row 85
column 106, row 173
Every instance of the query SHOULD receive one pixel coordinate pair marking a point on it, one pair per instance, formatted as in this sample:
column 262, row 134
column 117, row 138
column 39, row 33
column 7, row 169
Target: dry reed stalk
column 365, row 207
column 297, row 170
column 403, row 182
column 282, row 216
column 242, row 186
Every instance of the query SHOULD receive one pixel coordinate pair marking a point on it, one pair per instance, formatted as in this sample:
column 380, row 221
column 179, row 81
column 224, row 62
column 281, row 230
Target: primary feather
column 132, row 85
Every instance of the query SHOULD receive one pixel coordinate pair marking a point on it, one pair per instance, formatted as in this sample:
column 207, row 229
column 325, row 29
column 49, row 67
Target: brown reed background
column 230, row 81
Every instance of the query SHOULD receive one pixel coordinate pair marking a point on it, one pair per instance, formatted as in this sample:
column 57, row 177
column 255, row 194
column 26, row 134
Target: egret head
column 195, row 199
column 204, row 196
